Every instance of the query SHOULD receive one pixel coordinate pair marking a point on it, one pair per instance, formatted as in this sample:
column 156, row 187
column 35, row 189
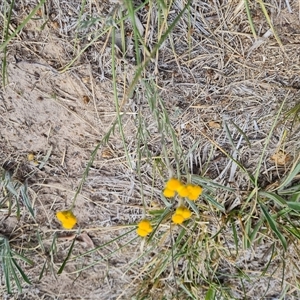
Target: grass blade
column 25, row 198
column 242, row 133
column 67, row 258
column 290, row 176
column 264, row 10
column 250, row 19
column 21, row 271
column 235, row 237
column 214, row 202
column 273, row 226
column 294, row 205
column 210, row 294
column 277, row 199
column 154, row 51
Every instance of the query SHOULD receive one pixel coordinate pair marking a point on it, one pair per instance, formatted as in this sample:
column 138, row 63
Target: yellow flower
column 173, row 184
column 168, row 193
column 177, row 219
column 142, row 232
column 144, row 228
column 182, row 213
column 194, row 191
column 183, row 191
column 67, row 219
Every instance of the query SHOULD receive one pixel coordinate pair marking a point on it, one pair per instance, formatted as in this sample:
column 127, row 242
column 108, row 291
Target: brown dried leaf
column 280, row 158
column 85, row 99
column 213, row 124
column 86, row 79
column 55, row 25
column 106, row 153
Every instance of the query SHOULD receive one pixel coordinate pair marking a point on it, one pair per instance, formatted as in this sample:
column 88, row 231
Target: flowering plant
column 173, row 186
column 144, row 228
column 67, row 219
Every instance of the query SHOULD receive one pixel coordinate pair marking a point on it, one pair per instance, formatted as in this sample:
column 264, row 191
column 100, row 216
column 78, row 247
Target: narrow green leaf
column 67, row 258
column 294, row 205
column 6, row 274
column 284, row 211
column 154, row 50
column 205, row 181
column 294, row 231
column 12, row 272
column 265, row 12
column 269, row 262
column 43, row 270
column 290, row 191
column 250, row 18
column 12, row 187
column 107, row 256
column 273, row 226
column 277, row 199
column 21, row 271
column 242, row 133
column 26, row 200
column 18, row 213
column 40, row 241
column 235, row 237
column 166, row 212
column 105, row 244
column 246, row 238
column 210, row 294
column 228, row 133
column 256, row 228
column 53, row 248
column 213, row 202
column 187, row 291
column 295, row 197
column 22, row 257
column 251, row 195
column 295, row 171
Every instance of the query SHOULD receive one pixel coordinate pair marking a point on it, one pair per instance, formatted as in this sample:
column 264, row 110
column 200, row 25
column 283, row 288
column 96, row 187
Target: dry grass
column 203, row 104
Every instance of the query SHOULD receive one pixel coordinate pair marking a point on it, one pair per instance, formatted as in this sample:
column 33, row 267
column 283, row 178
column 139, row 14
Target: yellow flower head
column 183, row 191
column 144, row 228
column 194, row 191
column 173, row 184
column 177, row 219
column 168, row 193
column 184, row 211
column 142, row 232
column 67, row 219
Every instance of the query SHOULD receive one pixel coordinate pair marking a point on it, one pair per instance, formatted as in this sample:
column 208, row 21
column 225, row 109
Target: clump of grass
column 14, row 193
column 13, row 273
